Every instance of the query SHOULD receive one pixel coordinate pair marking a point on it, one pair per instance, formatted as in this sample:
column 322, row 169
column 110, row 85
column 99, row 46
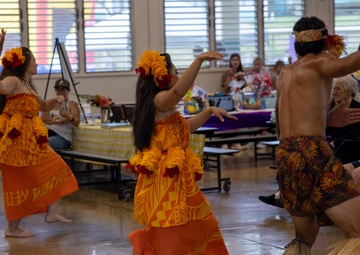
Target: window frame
column 260, row 12
column 53, row 59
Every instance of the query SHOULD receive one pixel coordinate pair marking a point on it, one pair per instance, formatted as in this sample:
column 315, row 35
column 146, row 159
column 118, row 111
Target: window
column 107, row 36
column 251, row 28
column 186, row 30
column 96, row 33
column 347, row 23
column 239, row 26
column 48, row 20
column 10, row 21
column 279, row 19
column 236, row 30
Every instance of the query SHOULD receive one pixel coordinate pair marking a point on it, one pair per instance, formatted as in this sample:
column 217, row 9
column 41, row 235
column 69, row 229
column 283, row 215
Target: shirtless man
column 311, row 180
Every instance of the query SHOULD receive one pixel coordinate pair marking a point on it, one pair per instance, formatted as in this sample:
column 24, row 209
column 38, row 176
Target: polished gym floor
column 101, row 222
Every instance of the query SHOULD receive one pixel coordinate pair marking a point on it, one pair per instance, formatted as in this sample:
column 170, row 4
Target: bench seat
column 239, row 132
column 217, row 142
column 110, row 163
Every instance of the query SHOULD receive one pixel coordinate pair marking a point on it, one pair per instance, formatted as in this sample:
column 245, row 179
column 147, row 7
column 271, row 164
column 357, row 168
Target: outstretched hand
column 340, row 116
column 219, row 113
column 211, row 55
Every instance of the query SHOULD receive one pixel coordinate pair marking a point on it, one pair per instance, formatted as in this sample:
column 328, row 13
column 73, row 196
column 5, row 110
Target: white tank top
column 62, row 129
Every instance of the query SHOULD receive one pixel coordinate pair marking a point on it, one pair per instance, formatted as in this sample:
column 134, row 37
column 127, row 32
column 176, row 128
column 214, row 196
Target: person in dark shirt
column 345, row 89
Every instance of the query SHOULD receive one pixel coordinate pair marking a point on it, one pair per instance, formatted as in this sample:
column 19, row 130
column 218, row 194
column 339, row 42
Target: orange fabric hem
column 205, row 238
column 30, row 190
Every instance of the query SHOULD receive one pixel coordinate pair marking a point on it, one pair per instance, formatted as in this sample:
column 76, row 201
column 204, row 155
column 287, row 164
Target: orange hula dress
column 177, row 216
column 33, row 175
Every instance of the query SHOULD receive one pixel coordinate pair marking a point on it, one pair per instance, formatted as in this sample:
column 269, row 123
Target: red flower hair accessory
column 152, row 63
column 13, row 58
column 335, row 45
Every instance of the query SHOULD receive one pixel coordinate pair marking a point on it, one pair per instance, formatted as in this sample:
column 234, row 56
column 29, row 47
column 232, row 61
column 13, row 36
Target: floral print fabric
column 310, row 177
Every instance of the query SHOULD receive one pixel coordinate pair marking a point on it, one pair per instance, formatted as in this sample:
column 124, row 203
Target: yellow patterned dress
column 33, row 175
column 167, row 201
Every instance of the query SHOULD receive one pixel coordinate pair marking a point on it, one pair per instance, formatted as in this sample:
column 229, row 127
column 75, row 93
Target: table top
column 246, row 119
column 117, row 141
column 207, row 131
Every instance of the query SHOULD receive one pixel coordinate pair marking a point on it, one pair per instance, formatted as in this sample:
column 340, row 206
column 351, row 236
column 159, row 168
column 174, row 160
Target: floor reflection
column 101, row 223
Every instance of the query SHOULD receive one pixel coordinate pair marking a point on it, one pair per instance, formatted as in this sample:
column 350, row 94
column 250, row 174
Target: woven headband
column 335, row 43
column 309, row 35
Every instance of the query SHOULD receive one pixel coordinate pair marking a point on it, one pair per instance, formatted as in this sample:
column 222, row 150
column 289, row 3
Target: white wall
column 148, row 33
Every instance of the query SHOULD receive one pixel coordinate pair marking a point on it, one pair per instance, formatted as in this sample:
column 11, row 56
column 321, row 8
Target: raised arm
column 332, row 67
column 2, row 39
column 167, row 99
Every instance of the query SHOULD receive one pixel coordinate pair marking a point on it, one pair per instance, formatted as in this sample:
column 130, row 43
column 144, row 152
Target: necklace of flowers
column 29, row 86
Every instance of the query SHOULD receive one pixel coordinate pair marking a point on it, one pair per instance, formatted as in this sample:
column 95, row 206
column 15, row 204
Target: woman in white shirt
column 62, row 118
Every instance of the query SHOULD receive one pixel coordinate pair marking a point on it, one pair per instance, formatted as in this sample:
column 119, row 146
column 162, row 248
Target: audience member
column 260, row 73
column 275, row 75
column 345, row 89
column 62, row 118
column 233, row 77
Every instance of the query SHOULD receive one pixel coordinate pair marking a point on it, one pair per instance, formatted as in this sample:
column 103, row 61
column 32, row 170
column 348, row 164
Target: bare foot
column 56, row 218
column 18, row 233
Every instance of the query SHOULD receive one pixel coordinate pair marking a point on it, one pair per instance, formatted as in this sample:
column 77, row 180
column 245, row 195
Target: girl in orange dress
column 177, row 216
column 34, row 177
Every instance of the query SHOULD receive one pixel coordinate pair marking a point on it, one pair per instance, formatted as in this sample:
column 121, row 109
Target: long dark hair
column 308, row 23
column 18, row 72
column 240, row 67
column 145, row 110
